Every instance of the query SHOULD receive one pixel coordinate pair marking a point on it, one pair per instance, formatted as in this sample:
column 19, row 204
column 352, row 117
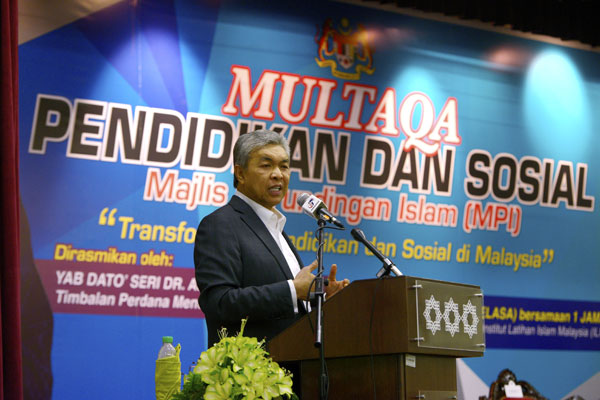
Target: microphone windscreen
column 357, row 234
column 302, row 199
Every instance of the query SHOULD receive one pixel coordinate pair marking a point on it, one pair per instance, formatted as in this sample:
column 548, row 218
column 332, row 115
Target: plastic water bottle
column 167, row 376
column 167, row 349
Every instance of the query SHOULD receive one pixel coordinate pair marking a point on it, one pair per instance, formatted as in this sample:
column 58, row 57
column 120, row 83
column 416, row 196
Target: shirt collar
column 271, row 218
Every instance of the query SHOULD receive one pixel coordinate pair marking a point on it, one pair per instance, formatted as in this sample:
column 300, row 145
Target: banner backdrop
column 464, row 155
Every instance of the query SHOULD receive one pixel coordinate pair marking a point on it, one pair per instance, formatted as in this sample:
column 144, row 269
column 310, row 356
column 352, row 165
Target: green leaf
column 224, row 375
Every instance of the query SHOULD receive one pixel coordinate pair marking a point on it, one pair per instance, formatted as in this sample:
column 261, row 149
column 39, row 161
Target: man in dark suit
column 246, row 266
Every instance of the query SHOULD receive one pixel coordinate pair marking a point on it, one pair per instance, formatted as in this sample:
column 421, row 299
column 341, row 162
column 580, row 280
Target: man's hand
column 334, row 286
column 303, row 280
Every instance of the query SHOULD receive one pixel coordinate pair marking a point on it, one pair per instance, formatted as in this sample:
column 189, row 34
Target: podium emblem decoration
column 431, row 304
column 451, row 327
column 470, row 309
column 451, row 318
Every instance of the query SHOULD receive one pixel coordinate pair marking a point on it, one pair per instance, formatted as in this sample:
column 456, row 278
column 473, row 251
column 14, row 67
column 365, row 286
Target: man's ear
column 238, row 171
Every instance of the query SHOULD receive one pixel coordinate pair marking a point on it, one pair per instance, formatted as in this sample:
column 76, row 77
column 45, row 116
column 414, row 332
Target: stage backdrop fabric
column 465, row 155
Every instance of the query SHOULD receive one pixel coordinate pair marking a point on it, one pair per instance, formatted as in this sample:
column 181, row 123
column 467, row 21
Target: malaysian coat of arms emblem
column 344, row 49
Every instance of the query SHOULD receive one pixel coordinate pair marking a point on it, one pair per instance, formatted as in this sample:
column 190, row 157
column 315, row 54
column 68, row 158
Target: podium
column 396, row 338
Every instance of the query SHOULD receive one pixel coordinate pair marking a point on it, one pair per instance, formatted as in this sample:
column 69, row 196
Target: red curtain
column 11, row 377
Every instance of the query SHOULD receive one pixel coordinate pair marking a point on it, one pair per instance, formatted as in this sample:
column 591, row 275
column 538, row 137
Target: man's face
column 265, row 179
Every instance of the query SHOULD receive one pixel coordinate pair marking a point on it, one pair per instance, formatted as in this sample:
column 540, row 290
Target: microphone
column 388, row 265
column 314, row 207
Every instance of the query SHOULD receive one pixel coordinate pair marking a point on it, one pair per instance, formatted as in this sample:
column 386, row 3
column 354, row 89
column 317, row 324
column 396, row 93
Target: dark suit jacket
column 241, row 273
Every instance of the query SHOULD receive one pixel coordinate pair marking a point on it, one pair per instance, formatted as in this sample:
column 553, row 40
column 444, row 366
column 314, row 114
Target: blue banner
column 465, row 155
column 514, row 322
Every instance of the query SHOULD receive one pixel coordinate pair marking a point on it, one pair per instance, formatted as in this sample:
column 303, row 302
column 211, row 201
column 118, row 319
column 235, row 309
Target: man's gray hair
column 251, row 141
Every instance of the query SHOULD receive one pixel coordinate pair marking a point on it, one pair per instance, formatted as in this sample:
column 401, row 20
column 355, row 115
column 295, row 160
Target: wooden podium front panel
column 367, row 317
column 430, row 374
column 351, row 378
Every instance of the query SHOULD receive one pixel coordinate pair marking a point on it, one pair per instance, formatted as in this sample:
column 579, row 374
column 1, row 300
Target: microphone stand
column 320, row 293
column 386, row 269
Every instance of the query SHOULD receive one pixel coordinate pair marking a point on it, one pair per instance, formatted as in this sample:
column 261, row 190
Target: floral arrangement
column 237, row 367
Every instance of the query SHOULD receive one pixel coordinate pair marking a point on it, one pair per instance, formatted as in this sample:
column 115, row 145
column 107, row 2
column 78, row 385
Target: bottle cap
column 167, row 339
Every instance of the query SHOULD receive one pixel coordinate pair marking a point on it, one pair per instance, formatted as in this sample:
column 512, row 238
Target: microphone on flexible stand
column 313, row 206
column 388, row 265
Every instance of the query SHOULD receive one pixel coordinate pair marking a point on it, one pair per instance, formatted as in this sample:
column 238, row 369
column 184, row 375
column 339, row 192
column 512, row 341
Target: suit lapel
column 260, row 230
